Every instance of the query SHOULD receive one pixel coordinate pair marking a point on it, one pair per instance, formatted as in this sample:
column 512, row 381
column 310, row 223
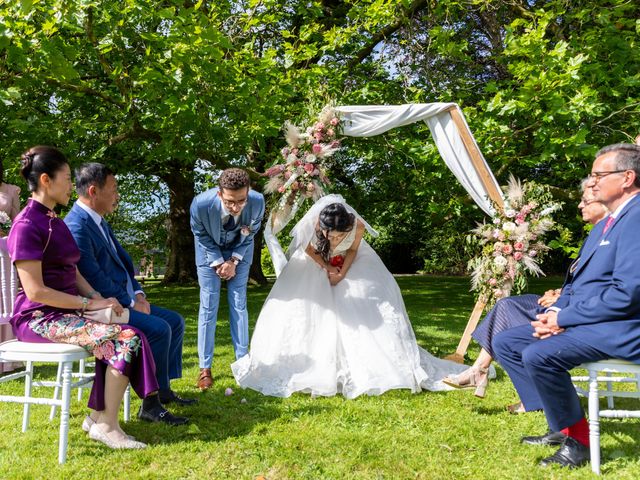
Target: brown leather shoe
column 205, row 380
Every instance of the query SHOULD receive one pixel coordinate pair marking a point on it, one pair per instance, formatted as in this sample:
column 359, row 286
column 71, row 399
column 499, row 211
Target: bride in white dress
column 335, row 321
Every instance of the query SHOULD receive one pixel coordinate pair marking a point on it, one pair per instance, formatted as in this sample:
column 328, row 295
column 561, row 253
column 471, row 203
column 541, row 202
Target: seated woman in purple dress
column 510, row 312
column 55, row 295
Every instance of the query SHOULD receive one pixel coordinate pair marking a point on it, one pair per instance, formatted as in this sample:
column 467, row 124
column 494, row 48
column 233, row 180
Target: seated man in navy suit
column 110, row 270
column 597, row 315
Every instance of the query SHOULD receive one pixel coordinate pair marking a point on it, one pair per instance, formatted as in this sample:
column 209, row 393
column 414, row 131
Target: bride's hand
column 331, row 270
column 335, row 279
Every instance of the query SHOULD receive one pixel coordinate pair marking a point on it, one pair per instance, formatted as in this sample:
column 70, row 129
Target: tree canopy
column 175, row 90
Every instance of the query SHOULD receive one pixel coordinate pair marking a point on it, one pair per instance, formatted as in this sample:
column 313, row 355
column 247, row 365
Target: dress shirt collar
column 95, row 216
column 225, row 213
column 619, row 209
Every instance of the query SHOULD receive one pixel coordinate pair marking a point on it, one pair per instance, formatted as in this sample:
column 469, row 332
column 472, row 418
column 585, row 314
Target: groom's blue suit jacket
column 211, row 238
column 601, row 300
column 106, row 270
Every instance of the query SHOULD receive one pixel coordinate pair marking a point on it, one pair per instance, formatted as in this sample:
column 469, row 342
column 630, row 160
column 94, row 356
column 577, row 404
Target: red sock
column 579, row 431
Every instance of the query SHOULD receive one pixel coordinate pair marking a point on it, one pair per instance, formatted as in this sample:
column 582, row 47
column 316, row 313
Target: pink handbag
column 107, row 315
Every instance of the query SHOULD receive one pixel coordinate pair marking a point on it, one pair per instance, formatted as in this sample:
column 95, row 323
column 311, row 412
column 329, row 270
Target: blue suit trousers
column 164, row 330
column 539, row 370
column 210, row 284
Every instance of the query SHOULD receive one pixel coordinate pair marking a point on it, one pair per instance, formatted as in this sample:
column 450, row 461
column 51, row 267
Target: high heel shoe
column 473, row 377
column 88, row 422
column 96, row 433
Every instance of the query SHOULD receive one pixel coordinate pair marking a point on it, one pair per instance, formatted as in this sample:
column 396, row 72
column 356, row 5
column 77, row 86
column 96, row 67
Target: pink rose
column 318, row 136
column 493, row 282
column 316, row 149
column 287, row 174
column 518, row 256
column 507, row 249
column 319, row 126
column 315, row 172
column 309, row 167
column 331, row 132
column 281, row 189
column 334, row 121
column 518, row 246
column 126, row 334
column 519, row 220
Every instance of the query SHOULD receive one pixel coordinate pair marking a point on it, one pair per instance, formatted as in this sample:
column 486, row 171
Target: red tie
column 608, row 224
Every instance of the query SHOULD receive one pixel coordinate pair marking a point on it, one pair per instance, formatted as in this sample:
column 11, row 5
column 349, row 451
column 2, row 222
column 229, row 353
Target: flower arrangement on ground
column 512, row 245
column 303, row 174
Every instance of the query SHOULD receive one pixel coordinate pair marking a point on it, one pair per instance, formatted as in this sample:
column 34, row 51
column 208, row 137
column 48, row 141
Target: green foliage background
column 170, row 91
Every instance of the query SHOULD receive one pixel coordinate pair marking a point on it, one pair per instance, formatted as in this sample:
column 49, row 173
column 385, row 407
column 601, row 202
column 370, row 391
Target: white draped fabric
column 370, row 120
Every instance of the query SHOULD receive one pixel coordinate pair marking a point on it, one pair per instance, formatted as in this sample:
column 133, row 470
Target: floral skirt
column 109, row 342
column 122, row 347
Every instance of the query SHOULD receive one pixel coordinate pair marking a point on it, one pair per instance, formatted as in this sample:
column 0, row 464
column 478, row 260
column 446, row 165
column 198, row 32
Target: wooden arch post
column 486, row 179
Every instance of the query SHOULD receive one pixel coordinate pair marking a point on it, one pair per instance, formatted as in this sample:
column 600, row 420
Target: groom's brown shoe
column 205, row 380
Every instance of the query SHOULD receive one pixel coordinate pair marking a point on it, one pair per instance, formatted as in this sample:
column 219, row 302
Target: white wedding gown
column 353, row 338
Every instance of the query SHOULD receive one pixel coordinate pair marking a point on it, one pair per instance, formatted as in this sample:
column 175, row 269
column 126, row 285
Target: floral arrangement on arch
column 303, row 172
column 512, row 244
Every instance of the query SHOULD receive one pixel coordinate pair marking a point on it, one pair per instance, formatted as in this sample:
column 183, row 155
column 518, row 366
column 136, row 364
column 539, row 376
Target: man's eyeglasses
column 596, row 176
column 232, row 204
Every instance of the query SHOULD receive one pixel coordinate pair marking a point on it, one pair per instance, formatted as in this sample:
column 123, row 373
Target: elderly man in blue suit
column 109, row 268
column 224, row 221
column 596, row 317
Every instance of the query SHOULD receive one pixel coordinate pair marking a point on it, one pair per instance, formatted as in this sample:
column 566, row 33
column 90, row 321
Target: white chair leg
column 64, row 411
column 56, row 392
column 594, row 422
column 26, row 409
column 127, row 403
column 610, row 402
column 81, row 370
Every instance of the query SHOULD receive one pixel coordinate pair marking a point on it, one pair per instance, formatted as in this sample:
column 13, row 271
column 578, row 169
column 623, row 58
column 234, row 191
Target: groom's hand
column 227, row 270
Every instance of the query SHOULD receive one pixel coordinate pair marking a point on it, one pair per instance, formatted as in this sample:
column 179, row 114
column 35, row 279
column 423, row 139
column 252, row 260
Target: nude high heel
column 473, row 377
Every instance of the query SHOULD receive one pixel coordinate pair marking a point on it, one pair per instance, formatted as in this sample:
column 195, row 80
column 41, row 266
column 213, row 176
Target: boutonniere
column 51, row 214
column 245, row 230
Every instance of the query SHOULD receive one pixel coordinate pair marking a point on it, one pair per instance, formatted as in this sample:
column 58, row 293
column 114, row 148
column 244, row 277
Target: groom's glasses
column 234, row 204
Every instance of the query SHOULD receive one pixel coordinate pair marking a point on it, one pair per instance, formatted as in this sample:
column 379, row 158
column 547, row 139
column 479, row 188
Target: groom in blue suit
column 108, row 268
column 596, row 317
column 224, row 221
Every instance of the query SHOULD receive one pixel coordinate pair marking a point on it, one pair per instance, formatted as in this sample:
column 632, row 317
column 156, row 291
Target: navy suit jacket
column 602, row 300
column 206, row 224
column 106, row 270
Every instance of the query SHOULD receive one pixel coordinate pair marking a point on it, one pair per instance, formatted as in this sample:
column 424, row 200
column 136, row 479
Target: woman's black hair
column 333, row 217
column 38, row 160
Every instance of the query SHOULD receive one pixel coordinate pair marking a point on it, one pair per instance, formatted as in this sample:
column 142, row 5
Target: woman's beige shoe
column 88, row 422
column 516, row 408
column 97, row 434
column 473, row 377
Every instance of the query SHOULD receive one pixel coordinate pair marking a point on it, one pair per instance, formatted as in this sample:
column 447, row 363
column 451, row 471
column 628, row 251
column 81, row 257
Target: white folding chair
column 62, row 354
column 594, row 392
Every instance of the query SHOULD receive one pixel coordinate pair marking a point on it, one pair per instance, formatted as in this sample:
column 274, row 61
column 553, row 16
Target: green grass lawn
column 396, row 436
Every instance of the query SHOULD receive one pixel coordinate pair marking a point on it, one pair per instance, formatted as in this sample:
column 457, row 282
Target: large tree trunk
column 181, row 266
column 256, row 272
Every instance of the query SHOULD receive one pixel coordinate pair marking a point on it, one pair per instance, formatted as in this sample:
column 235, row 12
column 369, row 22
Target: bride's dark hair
column 333, row 217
